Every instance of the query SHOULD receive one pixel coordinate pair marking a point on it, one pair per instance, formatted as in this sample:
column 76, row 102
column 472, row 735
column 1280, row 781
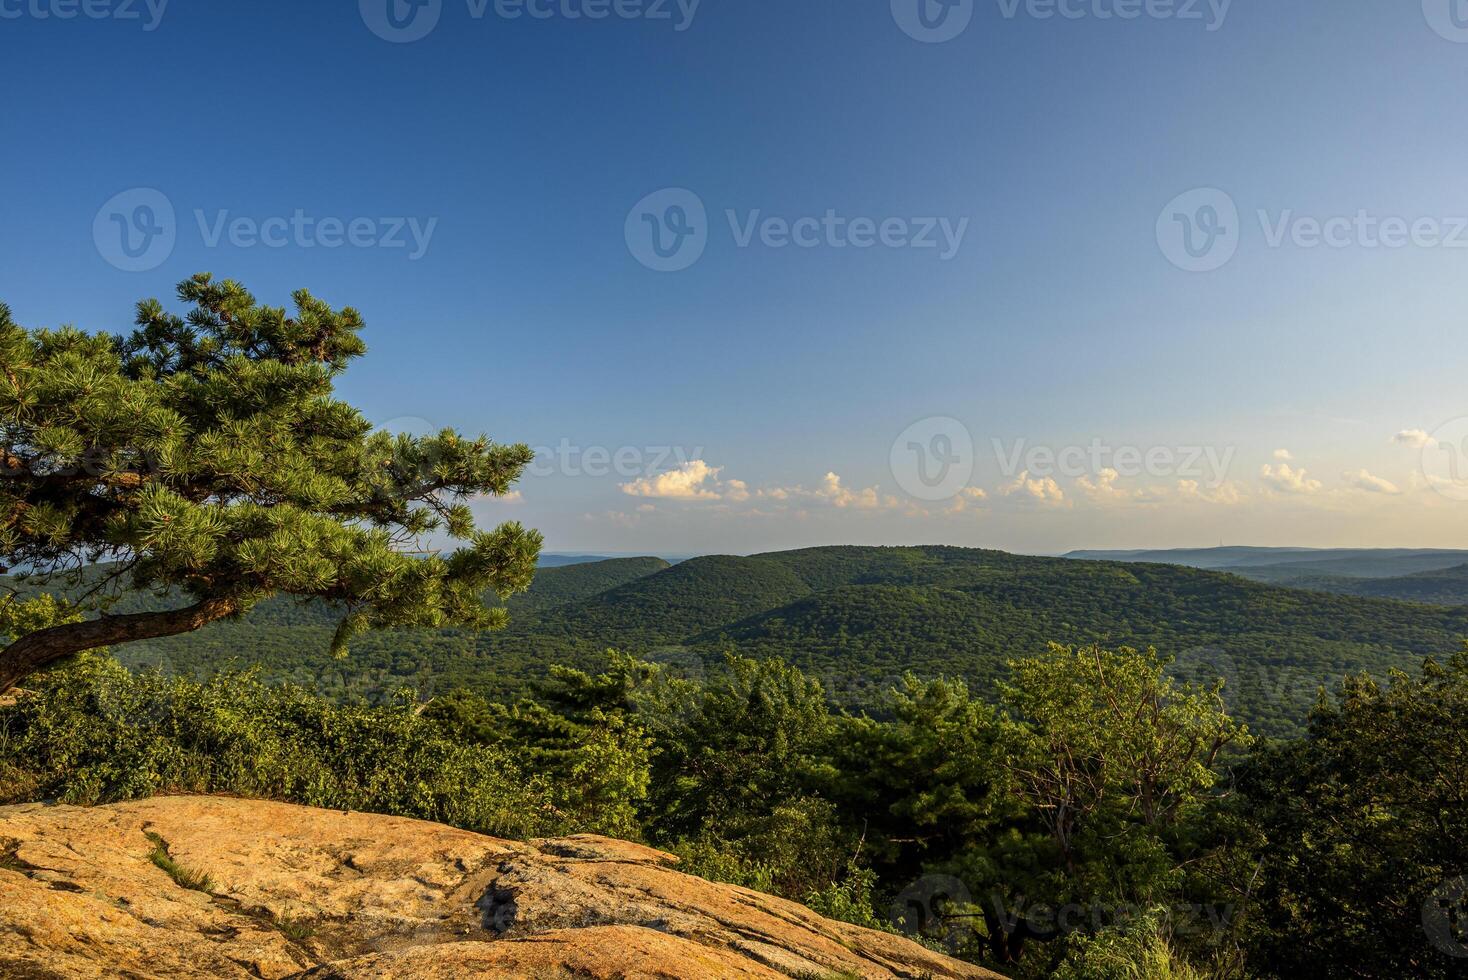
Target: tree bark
column 35, row 650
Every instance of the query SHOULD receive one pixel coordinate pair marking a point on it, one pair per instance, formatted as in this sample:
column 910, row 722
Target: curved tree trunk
column 35, row 650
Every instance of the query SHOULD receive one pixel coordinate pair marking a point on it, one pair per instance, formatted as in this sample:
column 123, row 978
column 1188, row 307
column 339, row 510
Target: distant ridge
column 1325, row 569
column 858, row 618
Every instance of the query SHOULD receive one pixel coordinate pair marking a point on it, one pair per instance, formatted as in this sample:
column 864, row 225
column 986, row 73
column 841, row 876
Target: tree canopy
column 206, row 456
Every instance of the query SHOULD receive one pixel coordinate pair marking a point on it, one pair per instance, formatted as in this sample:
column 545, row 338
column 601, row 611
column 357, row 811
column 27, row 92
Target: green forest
column 1096, row 820
column 856, row 618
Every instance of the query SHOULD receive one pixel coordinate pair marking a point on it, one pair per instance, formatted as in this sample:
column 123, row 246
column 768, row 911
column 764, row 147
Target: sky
column 1026, row 274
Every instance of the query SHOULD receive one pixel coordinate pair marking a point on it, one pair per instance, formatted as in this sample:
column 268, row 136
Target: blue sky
column 753, row 399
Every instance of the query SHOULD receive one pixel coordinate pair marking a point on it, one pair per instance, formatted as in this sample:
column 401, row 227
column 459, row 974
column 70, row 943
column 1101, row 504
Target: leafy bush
column 93, row 733
column 1139, row 950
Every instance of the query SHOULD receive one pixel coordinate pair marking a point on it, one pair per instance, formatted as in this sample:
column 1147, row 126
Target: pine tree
column 205, row 456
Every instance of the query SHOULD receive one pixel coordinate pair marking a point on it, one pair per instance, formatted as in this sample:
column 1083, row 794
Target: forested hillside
column 857, row 619
column 1431, row 575
column 1444, row 587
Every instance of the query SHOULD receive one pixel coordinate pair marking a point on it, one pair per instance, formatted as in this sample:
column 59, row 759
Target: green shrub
column 93, row 733
column 850, row 899
column 1137, row 950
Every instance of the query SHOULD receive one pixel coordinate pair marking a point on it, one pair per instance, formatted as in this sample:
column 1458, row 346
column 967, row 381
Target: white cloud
column 1283, row 455
column 693, row 480
column 697, row 480
column 1416, row 438
column 1363, row 480
column 1226, row 493
column 1044, row 490
column 867, row 499
column 1286, row 479
column 966, row 498
column 1104, row 487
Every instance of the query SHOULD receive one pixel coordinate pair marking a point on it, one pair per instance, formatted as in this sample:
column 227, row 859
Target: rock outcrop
column 117, row 891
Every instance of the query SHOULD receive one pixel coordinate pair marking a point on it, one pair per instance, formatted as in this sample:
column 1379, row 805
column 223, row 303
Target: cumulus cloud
column 1283, row 455
column 1287, row 479
column 1044, row 490
column 697, row 480
column 867, row 499
column 966, row 498
column 1416, row 438
column 693, row 480
column 1363, row 480
column 1226, row 493
column 1103, row 487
